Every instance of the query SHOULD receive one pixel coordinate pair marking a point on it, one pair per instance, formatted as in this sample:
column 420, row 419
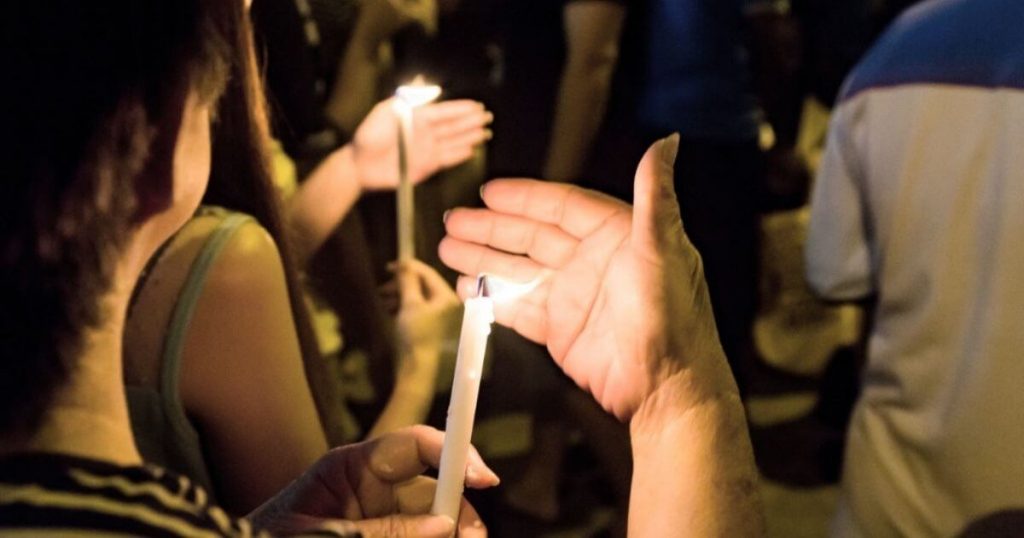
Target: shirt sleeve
column 838, row 252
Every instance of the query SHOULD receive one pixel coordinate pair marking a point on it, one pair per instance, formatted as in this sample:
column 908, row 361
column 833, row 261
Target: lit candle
column 407, row 98
column 469, row 363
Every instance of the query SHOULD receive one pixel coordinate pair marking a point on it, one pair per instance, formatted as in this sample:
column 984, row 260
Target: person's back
column 919, row 202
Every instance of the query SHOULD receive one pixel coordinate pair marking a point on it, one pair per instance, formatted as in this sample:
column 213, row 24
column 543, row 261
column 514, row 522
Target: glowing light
column 504, row 290
column 417, row 93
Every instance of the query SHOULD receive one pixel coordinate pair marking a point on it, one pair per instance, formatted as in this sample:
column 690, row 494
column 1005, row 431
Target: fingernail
column 482, row 188
column 669, row 149
column 444, row 217
column 488, row 134
column 478, row 524
column 490, row 117
column 476, row 473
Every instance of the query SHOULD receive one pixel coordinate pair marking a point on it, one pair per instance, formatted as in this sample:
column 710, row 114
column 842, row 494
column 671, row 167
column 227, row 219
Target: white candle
column 469, row 363
column 407, row 98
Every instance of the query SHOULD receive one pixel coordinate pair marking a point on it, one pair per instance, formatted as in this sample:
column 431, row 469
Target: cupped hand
column 444, row 134
column 622, row 305
column 375, row 487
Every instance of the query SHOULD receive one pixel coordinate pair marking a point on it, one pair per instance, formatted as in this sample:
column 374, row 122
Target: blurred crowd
column 846, row 170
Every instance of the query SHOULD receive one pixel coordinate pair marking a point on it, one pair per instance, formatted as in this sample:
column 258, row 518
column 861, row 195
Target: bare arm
column 356, row 86
column 445, row 135
column 243, row 379
column 322, row 201
column 592, row 32
column 368, row 56
column 693, row 469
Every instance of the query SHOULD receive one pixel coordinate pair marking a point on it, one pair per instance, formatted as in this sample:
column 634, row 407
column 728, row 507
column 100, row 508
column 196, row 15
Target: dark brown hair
column 240, row 180
column 91, row 104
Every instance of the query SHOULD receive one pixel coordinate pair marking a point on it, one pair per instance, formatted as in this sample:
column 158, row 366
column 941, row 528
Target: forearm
column 322, row 201
column 412, row 397
column 356, row 86
column 582, row 102
column 694, row 472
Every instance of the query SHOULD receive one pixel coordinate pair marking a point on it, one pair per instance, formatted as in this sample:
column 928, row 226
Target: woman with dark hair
column 107, row 146
column 219, row 350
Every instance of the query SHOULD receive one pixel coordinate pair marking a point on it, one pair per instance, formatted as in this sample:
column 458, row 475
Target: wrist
column 347, row 168
column 688, row 392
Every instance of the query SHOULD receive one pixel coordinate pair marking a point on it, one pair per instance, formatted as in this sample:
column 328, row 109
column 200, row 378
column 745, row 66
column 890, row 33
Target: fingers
column 544, row 243
column 656, row 218
column 445, row 111
column 454, row 126
column 426, row 526
column 573, row 209
column 472, row 259
column 415, row 496
column 470, row 524
column 434, row 285
column 400, row 526
column 448, row 157
column 460, row 146
column 418, row 282
column 409, row 289
column 402, row 455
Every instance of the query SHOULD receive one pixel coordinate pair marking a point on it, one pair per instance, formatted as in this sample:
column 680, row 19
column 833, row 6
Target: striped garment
column 64, row 496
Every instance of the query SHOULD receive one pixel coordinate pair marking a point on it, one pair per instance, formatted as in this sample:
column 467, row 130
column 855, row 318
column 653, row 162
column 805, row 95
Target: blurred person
column 316, row 60
column 218, row 311
column 714, row 72
column 915, row 213
column 94, row 198
column 99, row 178
column 557, row 62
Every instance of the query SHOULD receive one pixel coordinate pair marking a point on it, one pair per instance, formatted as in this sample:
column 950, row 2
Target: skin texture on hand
column 624, row 306
column 444, row 135
column 376, row 487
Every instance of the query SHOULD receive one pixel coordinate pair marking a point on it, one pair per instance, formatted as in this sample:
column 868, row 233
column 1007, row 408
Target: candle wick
column 483, row 287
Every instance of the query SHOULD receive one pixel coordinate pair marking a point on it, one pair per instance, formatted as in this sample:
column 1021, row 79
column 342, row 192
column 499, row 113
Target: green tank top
column 163, row 432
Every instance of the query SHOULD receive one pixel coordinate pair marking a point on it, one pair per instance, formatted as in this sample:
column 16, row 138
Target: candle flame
column 499, row 289
column 417, row 93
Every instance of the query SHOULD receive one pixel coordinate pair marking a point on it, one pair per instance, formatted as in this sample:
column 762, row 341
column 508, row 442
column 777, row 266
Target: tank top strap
column 185, row 306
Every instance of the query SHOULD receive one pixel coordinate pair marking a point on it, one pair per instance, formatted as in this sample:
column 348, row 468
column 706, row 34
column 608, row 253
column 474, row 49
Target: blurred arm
column 322, row 201
column 592, row 32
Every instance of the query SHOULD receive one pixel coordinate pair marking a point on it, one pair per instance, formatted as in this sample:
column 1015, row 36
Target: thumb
column 399, row 526
column 656, row 218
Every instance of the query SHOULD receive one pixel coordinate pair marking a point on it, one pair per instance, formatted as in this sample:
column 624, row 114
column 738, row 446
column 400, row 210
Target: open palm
column 444, row 135
column 622, row 302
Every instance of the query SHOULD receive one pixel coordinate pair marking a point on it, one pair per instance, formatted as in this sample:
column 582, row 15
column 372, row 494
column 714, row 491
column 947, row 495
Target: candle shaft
column 406, row 204
column 476, row 326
